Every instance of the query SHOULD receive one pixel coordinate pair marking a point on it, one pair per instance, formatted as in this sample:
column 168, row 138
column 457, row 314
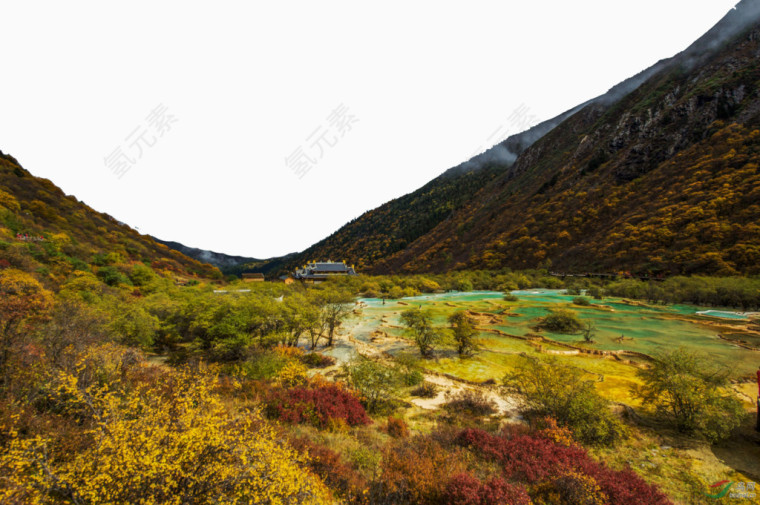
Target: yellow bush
column 287, row 351
column 292, row 374
column 172, row 442
column 9, row 201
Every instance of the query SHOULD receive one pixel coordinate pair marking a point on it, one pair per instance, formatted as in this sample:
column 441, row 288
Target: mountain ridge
column 689, row 113
column 506, row 160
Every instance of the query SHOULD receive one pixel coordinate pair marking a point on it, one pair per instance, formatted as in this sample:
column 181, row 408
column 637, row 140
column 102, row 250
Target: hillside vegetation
column 659, row 176
column 44, row 231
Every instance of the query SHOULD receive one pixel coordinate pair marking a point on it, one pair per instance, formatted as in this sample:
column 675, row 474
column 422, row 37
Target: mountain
column 664, row 180
column 219, row 260
column 43, row 230
column 388, row 229
column 658, row 175
column 231, row 265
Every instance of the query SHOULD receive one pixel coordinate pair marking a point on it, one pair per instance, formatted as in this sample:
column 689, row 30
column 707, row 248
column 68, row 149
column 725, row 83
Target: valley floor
column 680, row 465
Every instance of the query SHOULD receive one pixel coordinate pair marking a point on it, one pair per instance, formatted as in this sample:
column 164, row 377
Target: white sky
column 248, row 82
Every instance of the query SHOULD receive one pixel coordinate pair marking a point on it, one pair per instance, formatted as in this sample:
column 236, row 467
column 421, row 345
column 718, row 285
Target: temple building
column 320, row 271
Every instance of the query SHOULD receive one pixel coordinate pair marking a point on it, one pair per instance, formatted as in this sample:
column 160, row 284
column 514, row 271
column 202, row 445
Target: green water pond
column 644, row 329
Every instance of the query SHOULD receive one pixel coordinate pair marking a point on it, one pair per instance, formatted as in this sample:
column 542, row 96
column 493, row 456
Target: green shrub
column 595, row 292
column 264, row 365
column 377, row 384
column 425, row 390
column 582, row 301
column 573, row 290
column 561, row 321
column 687, row 391
column 568, row 395
column 412, row 378
column 112, row 276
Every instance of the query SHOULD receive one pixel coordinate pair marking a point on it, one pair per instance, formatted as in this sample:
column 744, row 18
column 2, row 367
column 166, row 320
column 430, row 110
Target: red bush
column 397, row 428
column 535, row 459
column 464, row 489
column 415, row 471
column 316, row 406
column 328, row 465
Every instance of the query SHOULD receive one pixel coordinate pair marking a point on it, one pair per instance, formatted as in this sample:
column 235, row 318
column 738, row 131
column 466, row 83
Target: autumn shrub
column 330, row 467
column 172, row 443
column 471, row 403
column 509, row 297
column 24, row 302
column 397, row 428
column 315, row 406
column 464, row 489
column 289, row 351
column 547, row 427
column 292, row 374
column 317, row 360
column 425, row 390
column 415, row 471
column 535, row 460
column 570, row 488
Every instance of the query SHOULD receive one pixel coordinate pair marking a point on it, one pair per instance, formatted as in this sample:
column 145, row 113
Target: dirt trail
column 446, row 387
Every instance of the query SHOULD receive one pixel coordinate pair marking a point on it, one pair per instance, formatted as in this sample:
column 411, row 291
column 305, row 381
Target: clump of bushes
column 397, row 428
column 317, row 360
column 509, row 297
column 375, row 383
column 570, row 487
column 412, row 378
column 686, row 391
column 329, row 466
column 471, row 403
column 292, row 374
column 595, row 292
column 464, row 489
column 425, row 390
column 567, row 394
column 319, row 406
column 415, row 471
column 264, row 365
column 561, row 321
column 582, row 301
column 545, row 464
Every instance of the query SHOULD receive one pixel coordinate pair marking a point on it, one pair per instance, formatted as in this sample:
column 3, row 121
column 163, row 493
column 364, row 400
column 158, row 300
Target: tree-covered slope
column 581, row 180
column 394, row 225
column 665, row 180
column 48, row 233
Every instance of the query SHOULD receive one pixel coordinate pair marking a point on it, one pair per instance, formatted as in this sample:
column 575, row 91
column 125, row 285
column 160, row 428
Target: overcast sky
column 259, row 128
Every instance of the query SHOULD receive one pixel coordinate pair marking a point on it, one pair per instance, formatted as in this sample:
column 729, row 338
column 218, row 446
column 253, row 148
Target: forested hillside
column 664, row 181
column 44, row 231
column 393, row 226
column 657, row 176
